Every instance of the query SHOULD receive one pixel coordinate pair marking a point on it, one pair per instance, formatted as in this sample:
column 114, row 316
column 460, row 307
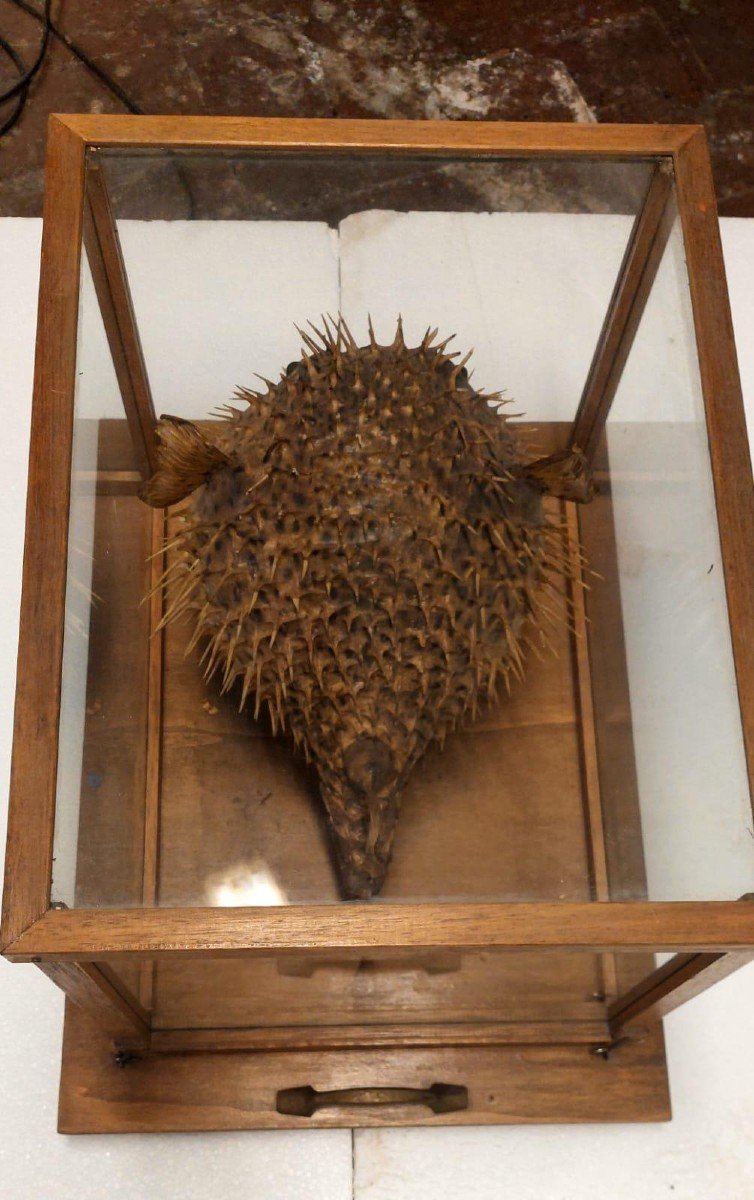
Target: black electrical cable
column 16, row 59
column 21, row 87
column 22, row 84
column 102, row 76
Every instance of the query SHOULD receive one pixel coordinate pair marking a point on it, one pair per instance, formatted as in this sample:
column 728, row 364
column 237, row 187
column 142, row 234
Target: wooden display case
column 168, row 865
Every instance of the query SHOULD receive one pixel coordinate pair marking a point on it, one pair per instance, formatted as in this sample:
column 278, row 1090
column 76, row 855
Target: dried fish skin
column 363, row 552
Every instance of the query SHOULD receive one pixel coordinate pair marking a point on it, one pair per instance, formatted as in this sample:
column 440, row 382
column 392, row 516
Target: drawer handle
column 305, row 1101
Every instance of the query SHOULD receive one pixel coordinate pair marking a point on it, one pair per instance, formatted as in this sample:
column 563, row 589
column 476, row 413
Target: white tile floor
column 706, row 1153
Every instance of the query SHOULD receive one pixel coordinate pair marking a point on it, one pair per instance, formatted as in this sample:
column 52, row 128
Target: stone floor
column 608, row 60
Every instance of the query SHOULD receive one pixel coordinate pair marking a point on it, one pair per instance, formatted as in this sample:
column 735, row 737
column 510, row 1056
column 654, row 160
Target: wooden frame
column 74, row 946
column 114, row 297
column 90, row 935
column 635, row 278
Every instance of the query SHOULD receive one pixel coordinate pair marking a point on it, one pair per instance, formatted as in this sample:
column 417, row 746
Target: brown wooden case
column 541, row 1005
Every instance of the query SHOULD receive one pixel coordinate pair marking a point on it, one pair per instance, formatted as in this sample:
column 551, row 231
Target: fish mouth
column 363, row 802
column 359, row 880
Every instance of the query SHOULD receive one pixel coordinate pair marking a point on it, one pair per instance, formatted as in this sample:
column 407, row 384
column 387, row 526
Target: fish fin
column 565, row 474
column 185, row 460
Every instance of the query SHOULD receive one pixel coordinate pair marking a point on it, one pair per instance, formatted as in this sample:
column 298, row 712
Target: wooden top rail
column 103, row 934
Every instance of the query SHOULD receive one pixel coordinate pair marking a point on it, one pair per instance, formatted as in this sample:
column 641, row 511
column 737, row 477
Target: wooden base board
column 507, row 1085
column 517, row 806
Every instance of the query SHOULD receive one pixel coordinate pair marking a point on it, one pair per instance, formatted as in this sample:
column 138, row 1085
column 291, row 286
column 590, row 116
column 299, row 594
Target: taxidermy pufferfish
column 364, row 554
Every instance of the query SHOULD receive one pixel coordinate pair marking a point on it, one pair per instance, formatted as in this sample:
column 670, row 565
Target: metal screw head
column 122, row 1058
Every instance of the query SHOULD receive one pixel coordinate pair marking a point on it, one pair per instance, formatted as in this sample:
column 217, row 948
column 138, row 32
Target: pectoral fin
column 565, row 474
column 186, row 459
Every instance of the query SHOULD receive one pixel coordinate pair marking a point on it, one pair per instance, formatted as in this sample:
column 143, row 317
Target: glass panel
column 99, row 838
column 562, row 996
column 519, row 258
column 685, row 723
column 419, row 988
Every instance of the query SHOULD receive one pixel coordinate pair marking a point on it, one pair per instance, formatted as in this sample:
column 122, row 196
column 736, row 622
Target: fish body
column 362, row 555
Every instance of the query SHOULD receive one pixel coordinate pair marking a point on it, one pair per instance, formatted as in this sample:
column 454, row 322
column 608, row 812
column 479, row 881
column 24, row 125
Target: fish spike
column 246, row 394
column 167, row 545
column 248, row 675
column 307, row 340
column 207, row 649
column 323, row 334
column 338, row 336
column 225, row 412
column 313, row 373
column 195, row 638
column 330, row 335
column 429, row 334
column 271, row 387
column 258, row 694
column 459, row 367
column 347, row 334
column 440, row 348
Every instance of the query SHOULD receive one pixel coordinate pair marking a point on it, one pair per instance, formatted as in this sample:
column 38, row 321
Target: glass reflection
column 243, row 884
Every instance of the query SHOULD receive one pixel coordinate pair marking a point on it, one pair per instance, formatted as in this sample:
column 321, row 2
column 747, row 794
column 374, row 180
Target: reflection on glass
column 692, row 782
column 98, row 848
column 244, row 884
column 519, row 260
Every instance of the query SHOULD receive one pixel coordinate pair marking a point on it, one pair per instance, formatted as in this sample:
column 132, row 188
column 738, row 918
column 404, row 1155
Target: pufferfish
column 363, row 555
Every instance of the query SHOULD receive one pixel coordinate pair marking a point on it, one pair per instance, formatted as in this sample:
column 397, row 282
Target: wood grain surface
column 105, row 258
column 529, row 1084
column 31, row 813
column 437, row 137
column 632, row 288
column 112, row 934
column 723, row 403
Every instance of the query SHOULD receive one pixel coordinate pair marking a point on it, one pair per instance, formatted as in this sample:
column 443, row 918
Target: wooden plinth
column 514, row 1084
column 189, row 801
